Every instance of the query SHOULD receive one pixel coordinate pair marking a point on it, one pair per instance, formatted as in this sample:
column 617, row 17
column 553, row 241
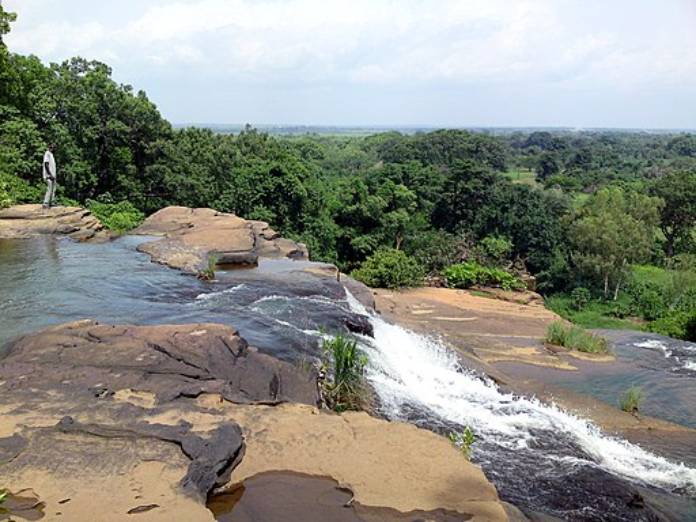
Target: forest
column 601, row 223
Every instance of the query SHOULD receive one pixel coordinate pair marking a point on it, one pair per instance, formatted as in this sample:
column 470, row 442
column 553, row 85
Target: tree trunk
column 606, row 285
column 618, row 280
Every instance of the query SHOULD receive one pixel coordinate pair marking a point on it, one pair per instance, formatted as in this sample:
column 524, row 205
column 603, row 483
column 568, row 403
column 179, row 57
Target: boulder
column 24, row 221
column 192, row 236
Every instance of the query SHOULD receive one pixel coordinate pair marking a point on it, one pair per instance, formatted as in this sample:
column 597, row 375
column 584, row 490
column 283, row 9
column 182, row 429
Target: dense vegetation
column 578, row 210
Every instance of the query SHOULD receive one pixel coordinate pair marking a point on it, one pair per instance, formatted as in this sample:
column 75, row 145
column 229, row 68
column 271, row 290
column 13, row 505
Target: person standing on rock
column 49, row 176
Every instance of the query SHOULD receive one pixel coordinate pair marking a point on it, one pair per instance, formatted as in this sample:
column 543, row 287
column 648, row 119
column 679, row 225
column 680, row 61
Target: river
column 538, row 456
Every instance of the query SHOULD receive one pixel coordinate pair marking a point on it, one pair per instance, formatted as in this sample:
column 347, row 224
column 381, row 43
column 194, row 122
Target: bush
column 493, row 250
column 575, row 338
column 16, row 190
column 344, row 390
column 631, row 399
column 436, row 249
column 647, row 300
column 580, row 298
column 389, row 268
column 675, row 324
column 465, row 275
column 119, row 217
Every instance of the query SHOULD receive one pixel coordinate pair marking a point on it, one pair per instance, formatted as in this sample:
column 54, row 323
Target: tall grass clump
column 344, row 363
column 631, row 399
column 575, row 338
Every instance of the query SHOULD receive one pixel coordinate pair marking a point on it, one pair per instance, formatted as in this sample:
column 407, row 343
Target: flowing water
column 664, row 368
column 539, row 457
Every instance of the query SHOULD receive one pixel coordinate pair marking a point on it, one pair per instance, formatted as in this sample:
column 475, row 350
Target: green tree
column 678, row 214
column 611, row 231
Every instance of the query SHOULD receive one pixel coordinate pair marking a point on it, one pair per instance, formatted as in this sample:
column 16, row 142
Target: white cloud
column 374, row 41
column 567, row 45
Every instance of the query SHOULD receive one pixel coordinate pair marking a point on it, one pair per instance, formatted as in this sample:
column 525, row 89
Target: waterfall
column 412, row 372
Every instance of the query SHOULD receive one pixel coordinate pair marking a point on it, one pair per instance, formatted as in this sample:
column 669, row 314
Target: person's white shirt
column 48, row 158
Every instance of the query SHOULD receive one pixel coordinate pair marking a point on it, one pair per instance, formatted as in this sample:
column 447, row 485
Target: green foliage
column 470, row 273
column 389, row 268
column 493, row 250
column 14, row 190
column 631, row 399
column 463, row 440
column 581, row 297
column 208, row 273
column 597, row 314
column 118, row 217
column 575, row 338
column 678, row 214
column 676, row 323
column 611, row 231
column 344, row 389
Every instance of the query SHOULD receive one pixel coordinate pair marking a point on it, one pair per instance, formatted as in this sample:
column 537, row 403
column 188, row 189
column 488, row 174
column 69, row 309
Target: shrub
column 465, row 275
column 673, row 324
column 14, row 189
column 436, row 249
column 575, row 338
column 389, row 268
column 345, row 389
column 463, row 440
column 493, row 250
column 119, row 217
column 580, row 298
column 631, row 399
column 646, row 298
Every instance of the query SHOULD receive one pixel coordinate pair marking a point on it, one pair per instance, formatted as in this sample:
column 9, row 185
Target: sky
column 451, row 63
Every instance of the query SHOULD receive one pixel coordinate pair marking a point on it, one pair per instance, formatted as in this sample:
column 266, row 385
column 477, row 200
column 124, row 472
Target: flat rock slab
column 24, row 221
column 191, row 236
column 104, row 422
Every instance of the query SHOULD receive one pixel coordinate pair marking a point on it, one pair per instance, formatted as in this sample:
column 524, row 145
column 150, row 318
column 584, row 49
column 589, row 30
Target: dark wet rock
column 167, row 361
column 24, row 221
column 212, row 457
column 86, row 404
column 193, row 236
column 359, row 324
column 360, row 291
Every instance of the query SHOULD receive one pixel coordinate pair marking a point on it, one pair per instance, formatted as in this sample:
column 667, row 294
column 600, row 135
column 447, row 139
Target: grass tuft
column 575, row 338
column 344, row 389
column 631, row 399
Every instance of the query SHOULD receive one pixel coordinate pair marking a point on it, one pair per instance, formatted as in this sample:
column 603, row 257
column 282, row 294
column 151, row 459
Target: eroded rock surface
column 23, row 221
column 101, row 422
column 192, row 235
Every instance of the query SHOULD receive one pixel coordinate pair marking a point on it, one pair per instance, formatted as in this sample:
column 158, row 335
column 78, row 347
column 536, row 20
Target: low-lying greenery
column 631, row 399
column 463, row 440
column 655, row 299
column 344, row 364
column 470, row 273
column 118, row 217
column 208, row 273
column 15, row 190
column 389, row 268
column 575, row 338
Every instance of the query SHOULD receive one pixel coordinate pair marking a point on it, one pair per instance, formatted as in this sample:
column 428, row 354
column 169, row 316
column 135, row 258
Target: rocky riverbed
column 104, row 421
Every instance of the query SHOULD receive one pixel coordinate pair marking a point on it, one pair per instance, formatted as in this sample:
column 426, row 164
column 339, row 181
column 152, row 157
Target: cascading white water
column 409, row 370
